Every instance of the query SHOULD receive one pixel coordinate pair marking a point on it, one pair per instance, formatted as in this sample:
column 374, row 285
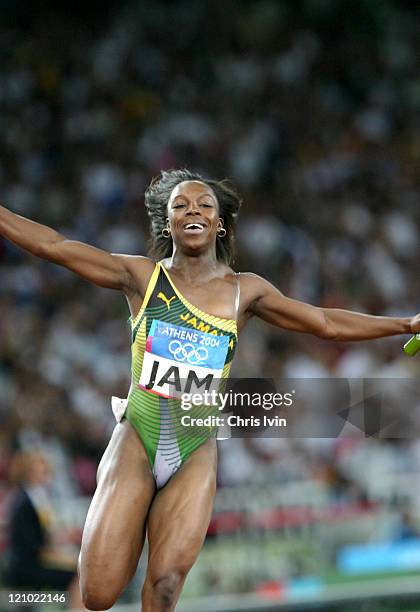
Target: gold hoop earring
column 221, row 232
column 166, row 232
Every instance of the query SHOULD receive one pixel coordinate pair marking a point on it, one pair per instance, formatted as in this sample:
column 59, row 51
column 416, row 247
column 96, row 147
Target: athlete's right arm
column 95, row 265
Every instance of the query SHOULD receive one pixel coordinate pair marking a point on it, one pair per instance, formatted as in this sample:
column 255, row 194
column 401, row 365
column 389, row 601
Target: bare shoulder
column 140, row 269
column 252, row 288
column 252, row 284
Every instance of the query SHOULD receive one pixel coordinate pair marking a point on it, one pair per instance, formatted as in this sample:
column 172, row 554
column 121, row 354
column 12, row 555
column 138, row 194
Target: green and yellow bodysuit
column 176, row 349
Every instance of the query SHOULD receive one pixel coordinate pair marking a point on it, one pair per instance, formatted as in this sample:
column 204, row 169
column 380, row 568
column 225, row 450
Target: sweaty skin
column 126, row 503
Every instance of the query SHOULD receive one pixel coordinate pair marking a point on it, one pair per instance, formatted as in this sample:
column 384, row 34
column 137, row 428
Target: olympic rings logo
column 188, row 352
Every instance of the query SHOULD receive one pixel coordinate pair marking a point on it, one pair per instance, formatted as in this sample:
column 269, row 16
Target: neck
column 193, row 266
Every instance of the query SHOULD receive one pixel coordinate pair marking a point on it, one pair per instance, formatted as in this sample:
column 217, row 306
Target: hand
column 415, row 324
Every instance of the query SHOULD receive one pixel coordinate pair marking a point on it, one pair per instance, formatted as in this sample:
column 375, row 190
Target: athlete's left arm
column 269, row 304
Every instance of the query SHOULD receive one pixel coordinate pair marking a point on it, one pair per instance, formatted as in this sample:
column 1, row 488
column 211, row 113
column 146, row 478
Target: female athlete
column 150, row 479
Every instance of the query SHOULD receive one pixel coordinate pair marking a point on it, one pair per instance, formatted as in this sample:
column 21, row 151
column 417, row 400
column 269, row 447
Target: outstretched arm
column 268, row 303
column 95, row 265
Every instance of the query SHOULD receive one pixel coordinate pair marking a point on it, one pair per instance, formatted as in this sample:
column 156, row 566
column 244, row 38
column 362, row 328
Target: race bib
column 179, row 360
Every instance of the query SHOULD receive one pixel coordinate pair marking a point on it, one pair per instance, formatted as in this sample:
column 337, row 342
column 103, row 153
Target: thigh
column 114, row 531
column 180, row 514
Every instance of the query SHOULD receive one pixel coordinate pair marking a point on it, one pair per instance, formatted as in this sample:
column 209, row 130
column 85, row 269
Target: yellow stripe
column 149, row 291
column 225, row 324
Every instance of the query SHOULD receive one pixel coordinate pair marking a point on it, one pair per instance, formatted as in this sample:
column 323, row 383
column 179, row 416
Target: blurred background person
column 34, row 560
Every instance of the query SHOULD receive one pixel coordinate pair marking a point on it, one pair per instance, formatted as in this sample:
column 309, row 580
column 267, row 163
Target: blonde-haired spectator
column 32, row 563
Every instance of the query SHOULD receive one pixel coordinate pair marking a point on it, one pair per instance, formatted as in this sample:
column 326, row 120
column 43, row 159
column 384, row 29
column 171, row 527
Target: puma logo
column 163, row 297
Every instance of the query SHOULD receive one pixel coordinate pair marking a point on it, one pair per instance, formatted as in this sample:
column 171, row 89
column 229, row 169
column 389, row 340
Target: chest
column 216, row 297
column 181, row 346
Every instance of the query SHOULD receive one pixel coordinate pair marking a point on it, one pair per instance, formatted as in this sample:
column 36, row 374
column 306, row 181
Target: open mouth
column 194, row 228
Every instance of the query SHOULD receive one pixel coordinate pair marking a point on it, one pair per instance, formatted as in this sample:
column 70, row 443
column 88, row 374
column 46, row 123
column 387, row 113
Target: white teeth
column 194, row 225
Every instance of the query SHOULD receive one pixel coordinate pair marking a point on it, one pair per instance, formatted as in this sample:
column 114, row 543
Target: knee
column 166, row 587
column 98, row 590
column 97, row 599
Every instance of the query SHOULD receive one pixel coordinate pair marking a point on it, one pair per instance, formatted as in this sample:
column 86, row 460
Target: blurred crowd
column 309, row 107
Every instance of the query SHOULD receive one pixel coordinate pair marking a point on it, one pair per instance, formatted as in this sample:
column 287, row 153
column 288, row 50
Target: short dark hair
column 156, row 200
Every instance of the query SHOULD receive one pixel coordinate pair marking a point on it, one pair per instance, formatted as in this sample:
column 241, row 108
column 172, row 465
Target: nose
column 193, row 208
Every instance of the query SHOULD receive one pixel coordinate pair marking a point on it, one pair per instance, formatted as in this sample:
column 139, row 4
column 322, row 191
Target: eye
column 179, row 205
column 207, row 204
